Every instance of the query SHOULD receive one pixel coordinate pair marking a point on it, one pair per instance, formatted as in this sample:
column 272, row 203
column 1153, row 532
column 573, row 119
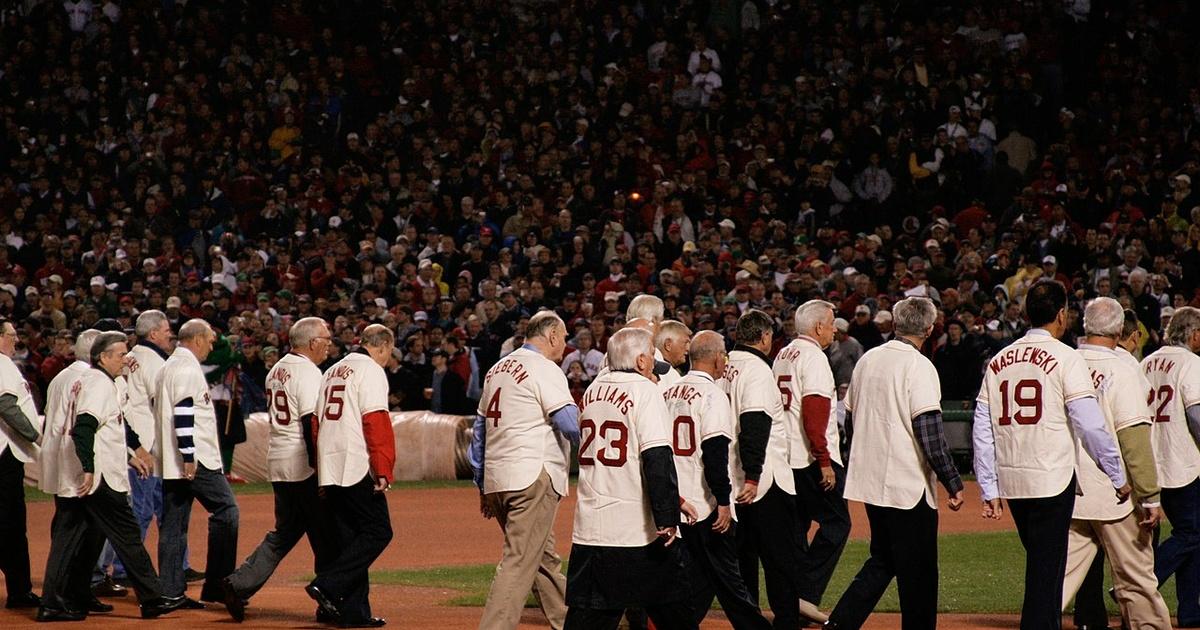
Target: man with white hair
column 292, row 389
column 805, row 380
column 622, row 553
column 672, row 341
column 189, row 459
column 701, row 435
column 648, row 307
column 661, row 367
column 1100, row 519
column 1174, row 374
column 897, row 453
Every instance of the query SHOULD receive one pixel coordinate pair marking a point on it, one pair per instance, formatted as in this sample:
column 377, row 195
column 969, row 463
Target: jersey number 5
column 1027, row 395
column 618, row 442
column 785, row 390
column 333, row 403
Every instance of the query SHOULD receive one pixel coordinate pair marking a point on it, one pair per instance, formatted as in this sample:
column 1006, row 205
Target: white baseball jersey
column 12, row 382
column 1125, row 356
column 350, row 389
column 293, row 386
column 1027, row 386
column 623, row 416
column 144, row 362
column 182, row 378
column 802, row 369
column 102, row 397
column 891, row 384
column 698, row 410
column 59, row 470
column 1174, row 375
column 519, row 394
column 750, row 385
column 1119, row 392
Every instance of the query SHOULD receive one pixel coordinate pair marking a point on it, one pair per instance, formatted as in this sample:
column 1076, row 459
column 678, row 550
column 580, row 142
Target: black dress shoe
column 324, row 617
column 109, row 588
column 160, row 606
column 188, row 603
column 192, row 575
column 233, row 602
column 59, row 614
column 373, row 622
column 323, row 600
column 28, row 600
column 97, row 606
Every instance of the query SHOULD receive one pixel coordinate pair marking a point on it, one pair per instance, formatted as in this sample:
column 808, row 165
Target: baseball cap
column 932, row 243
column 689, row 246
column 726, row 223
column 862, row 308
column 97, row 281
column 174, row 302
column 841, row 325
column 1049, row 260
column 883, row 317
column 1167, row 311
column 849, row 271
column 420, row 316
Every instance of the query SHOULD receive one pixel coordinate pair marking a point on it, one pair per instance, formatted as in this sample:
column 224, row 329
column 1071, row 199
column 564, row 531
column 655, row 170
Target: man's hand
column 955, row 501
column 668, row 535
column 724, row 519
column 381, row 484
column 1123, row 493
column 993, row 509
column 1151, row 517
column 747, row 493
column 85, row 486
column 689, row 512
column 189, row 470
column 487, row 507
column 828, row 479
column 139, row 466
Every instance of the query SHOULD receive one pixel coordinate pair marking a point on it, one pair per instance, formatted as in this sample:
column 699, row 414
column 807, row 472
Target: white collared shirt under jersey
column 181, row 378
column 292, row 386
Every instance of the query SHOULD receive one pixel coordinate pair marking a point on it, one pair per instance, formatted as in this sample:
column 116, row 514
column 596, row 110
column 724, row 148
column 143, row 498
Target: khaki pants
column 529, row 560
column 1131, row 559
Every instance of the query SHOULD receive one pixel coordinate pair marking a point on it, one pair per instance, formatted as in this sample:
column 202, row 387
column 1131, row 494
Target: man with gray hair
column 897, row 452
column 1174, row 374
column 189, row 459
column 1099, row 518
column 805, row 379
column 292, row 388
column 672, row 341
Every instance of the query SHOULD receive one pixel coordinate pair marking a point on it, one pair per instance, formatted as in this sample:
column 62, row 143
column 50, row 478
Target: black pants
column 715, row 573
column 1043, row 525
column 299, row 512
column 904, row 547
column 67, row 585
column 672, row 616
column 829, row 510
column 768, row 532
column 14, row 545
column 364, row 531
column 1090, row 609
column 109, row 513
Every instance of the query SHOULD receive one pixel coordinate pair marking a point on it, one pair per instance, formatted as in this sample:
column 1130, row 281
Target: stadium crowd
column 447, row 169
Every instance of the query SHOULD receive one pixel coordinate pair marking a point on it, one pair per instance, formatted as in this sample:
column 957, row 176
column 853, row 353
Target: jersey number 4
column 493, row 409
column 1026, row 394
column 614, row 454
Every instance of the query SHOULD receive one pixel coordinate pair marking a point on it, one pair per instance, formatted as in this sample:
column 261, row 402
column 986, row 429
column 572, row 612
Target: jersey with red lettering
column 802, row 369
column 182, row 378
column 750, row 385
column 102, row 397
column 699, row 411
column 58, row 465
column 519, row 394
column 1027, row 386
column 293, row 386
column 1174, row 375
column 350, row 389
column 1119, row 392
column 141, row 378
column 623, row 416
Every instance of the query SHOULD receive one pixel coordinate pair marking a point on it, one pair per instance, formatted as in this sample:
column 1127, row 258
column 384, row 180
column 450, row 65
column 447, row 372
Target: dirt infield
column 433, row 528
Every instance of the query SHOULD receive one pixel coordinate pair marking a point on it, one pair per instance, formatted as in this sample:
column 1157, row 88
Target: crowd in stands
column 447, row 168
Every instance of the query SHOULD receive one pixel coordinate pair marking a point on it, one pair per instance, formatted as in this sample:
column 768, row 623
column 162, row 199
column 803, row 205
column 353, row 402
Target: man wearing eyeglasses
column 18, row 437
column 293, row 386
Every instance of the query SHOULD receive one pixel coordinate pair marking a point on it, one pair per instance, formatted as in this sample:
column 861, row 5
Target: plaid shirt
column 928, row 429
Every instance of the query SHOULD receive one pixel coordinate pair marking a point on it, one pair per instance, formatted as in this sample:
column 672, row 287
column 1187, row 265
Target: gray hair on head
column 1103, row 317
column 706, row 346
column 148, row 322
column 811, row 313
column 1184, row 322
column 83, row 344
column 104, row 342
column 304, row 331
column 377, row 335
column 913, row 316
column 646, row 307
column 194, row 328
column 626, row 345
column 671, row 329
column 542, row 323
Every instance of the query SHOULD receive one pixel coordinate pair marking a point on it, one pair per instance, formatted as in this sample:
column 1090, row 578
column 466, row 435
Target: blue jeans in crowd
column 145, row 497
column 1179, row 555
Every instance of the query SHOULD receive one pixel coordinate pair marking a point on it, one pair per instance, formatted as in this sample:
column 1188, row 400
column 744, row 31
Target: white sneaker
column 810, row 610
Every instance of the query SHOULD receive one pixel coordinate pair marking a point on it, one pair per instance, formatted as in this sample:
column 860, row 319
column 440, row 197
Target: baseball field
column 437, row 570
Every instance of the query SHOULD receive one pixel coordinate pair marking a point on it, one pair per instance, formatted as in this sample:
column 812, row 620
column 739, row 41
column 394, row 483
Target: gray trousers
column 299, row 511
column 211, row 489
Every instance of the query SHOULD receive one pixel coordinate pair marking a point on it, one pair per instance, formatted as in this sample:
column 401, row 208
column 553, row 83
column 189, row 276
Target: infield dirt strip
column 433, row 528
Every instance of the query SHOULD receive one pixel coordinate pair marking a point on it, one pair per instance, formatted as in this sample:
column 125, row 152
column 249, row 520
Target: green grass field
column 980, row 573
